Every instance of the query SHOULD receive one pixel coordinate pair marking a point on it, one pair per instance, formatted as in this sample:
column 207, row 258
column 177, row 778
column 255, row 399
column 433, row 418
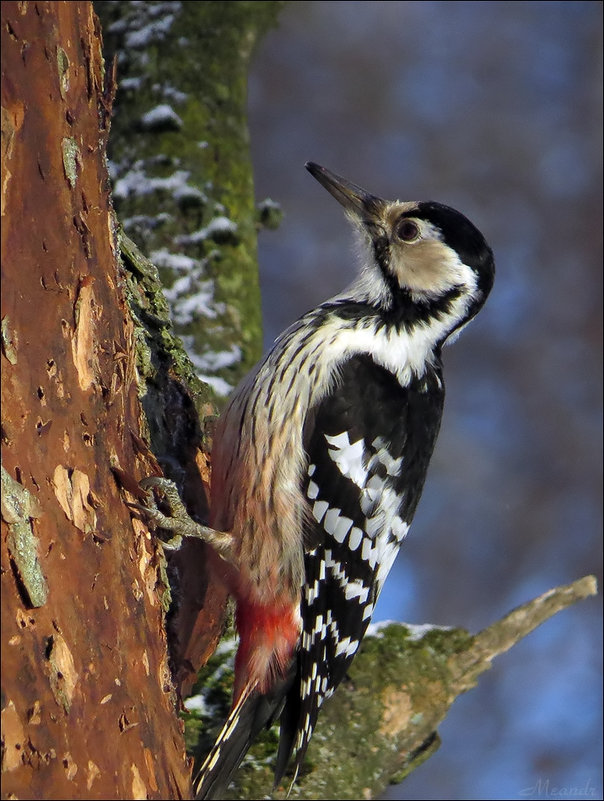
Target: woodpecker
column 319, row 461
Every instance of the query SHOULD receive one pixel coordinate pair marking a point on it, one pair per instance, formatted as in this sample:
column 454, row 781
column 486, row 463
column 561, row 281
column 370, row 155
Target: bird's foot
column 177, row 520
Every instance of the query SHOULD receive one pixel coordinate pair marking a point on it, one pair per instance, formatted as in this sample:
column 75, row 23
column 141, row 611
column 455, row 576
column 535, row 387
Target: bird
column 319, row 461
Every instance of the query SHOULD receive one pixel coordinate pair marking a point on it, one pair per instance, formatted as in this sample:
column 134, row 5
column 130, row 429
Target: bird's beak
column 355, row 200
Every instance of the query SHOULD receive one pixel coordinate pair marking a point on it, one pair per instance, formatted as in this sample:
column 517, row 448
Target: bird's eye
column 408, row 230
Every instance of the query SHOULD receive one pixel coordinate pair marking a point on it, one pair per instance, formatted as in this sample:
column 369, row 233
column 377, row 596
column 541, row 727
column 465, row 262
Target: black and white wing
column 368, row 445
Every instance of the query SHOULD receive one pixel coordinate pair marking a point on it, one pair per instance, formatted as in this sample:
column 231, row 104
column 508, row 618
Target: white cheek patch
column 428, row 265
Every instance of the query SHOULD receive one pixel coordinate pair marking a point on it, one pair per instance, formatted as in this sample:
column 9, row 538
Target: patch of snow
column 207, row 363
column 136, row 182
column 175, row 261
column 219, row 385
column 188, row 308
column 268, row 203
column 174, row 94
column 219, row 225
column 152, row 32
column 216, row 360
column 190, row 193
column 162, row 115
column 416, row 631
column 146, row 221
column 375, row 629
column 131, row 83
column 196, row 703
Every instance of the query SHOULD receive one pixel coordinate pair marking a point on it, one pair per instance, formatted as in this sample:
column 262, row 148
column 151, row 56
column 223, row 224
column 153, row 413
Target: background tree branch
column 382, row 722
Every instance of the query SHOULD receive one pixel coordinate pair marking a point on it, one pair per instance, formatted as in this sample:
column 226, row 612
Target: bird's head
column 419, row 253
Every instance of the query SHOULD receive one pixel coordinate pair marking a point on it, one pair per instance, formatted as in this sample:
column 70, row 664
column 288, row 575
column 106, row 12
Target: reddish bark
column 88, row 703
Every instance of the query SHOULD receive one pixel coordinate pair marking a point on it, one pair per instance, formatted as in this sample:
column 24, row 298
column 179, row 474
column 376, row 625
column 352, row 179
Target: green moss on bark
column 183, row 181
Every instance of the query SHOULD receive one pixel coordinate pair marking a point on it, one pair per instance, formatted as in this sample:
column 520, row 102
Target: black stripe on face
column 404, row 313
column 407, row 312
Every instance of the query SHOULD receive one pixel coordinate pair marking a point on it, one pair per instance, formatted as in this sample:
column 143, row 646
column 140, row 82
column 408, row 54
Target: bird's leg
column 178, row 520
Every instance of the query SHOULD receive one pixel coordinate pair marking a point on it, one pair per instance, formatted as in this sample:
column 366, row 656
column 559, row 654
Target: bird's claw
column 177, row 520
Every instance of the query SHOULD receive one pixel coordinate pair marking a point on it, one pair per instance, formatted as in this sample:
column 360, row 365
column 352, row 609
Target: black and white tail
column 252, row 712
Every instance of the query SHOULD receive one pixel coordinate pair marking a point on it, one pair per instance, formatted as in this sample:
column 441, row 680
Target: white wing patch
column 349, row 457
column 384, row 530
column 393, row 466
column 319, row 510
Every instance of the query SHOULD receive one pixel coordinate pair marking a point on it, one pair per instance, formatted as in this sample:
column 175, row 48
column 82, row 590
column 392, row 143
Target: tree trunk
column 88, row 701
column 183, row 181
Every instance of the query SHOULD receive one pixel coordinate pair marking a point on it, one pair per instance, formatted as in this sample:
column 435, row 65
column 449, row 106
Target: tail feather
column 288, row 729
column 244, row 722
column 298, row 721
column 252, row 712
